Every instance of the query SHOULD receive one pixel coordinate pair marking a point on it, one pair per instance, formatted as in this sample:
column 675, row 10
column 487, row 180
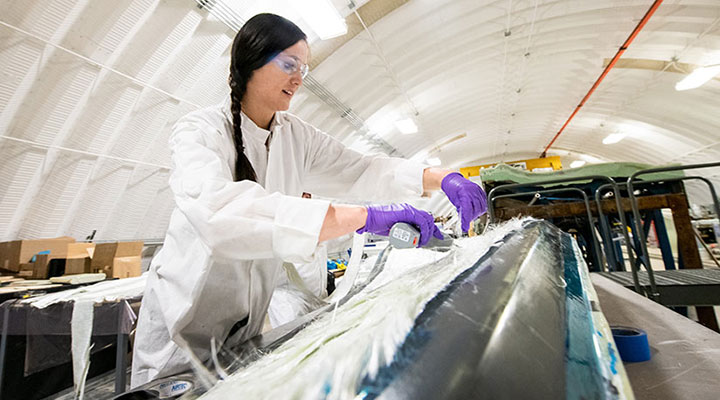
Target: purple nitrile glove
column 381, row 218
column 467, row 196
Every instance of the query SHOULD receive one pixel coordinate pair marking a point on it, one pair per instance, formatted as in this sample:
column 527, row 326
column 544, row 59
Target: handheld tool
column 405, row 236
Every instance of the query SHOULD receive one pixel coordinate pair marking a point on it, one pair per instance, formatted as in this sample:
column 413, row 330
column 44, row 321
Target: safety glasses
column 290, row 65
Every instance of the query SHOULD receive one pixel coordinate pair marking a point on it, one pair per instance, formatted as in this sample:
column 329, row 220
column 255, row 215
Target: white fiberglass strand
column 330, row 357
column 102, row 291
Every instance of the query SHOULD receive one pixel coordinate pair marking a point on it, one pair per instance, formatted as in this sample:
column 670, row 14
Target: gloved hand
column 467, row 196
column 381, row 218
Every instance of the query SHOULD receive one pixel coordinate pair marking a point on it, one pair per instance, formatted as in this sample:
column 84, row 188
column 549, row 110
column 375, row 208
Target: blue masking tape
column 632, row 343
column 34, row 257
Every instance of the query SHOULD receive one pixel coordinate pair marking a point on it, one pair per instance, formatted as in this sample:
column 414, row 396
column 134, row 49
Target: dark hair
column 258, row 41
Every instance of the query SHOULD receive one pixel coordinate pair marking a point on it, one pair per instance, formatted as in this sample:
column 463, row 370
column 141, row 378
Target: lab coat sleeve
column 334, row 170
column 237, row 220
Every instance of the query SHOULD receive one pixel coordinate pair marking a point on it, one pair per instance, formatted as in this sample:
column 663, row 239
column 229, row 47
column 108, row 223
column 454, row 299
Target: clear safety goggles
column 290, row 65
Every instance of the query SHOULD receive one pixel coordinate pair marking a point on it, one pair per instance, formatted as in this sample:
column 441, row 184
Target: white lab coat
column 227, row 240
column 286, row 304
column 288, row 301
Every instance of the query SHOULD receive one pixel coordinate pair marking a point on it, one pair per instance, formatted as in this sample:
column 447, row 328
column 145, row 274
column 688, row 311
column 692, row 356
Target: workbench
column 35, row 357
column 685, row 361
column 567, row 201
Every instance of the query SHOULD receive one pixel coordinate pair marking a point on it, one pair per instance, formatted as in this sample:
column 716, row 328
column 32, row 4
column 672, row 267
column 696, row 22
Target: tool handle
column 405, row 236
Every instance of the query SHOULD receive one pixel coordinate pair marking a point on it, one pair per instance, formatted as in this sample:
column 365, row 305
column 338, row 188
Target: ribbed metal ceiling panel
column 19, row 163
column 90, row 91
column 126, row 221
column 53, row 198
column 96, row 198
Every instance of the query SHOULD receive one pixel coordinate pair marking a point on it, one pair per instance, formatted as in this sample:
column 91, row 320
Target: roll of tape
column 632, row 343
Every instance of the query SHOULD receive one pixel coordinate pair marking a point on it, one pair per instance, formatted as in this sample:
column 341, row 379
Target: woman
column 238, row 172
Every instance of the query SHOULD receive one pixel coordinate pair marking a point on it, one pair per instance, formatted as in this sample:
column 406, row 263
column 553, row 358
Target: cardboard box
column 17, row 252
column 126, row 267
column 102, row 258
column 3, row 254
column 129, row 249
column 128, row 260
column 78, row 258
column 37, row 269
column 26, row 270
column 117, row 260
column 77, row 266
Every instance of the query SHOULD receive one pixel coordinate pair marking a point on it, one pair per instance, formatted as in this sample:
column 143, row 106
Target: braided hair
column 258, row 41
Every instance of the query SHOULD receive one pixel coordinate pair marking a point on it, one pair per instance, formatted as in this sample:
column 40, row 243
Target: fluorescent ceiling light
column 420, row 155
column 434, row 161
column 591, row 159
column 406, row 126
column 380, row 125
column 614, row 138
column 577, row 163
column 323, row 18
column 698, row 77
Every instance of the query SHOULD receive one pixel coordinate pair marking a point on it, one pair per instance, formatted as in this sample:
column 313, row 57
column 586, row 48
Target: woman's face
column 271, row 87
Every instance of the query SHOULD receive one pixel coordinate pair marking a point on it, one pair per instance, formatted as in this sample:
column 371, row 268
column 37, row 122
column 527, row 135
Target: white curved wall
column 91, row 88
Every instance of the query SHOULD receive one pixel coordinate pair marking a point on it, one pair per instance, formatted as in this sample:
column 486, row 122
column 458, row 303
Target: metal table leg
column 3, row 345
column 120, row 355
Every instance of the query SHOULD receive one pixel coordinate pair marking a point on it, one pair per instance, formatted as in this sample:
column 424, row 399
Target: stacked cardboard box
column 38, row 269
column 19, row 253
column 117, row 260
column 78, row 258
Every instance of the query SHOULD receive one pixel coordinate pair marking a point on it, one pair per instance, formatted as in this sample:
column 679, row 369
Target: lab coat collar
column 247, row 123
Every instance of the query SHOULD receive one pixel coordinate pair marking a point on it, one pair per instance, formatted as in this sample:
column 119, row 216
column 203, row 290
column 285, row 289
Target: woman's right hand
column 380, row 218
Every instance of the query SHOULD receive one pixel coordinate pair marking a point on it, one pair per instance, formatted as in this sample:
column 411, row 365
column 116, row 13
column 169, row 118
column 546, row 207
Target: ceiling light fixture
column 698, row 77
column 577, row 164
column 613, row 138
column 406, row 126
column 434, row 161
column 323, row 18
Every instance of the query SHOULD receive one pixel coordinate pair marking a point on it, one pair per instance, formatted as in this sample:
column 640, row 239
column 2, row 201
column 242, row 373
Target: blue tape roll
column 632, row 343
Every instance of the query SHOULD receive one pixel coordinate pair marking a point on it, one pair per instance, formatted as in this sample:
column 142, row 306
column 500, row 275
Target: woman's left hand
column 467, row 196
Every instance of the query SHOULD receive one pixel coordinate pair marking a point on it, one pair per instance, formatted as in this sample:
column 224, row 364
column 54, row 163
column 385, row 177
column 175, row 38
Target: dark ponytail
column 258, row 41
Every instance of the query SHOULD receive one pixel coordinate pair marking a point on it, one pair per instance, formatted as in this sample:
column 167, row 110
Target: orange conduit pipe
column 610, row 66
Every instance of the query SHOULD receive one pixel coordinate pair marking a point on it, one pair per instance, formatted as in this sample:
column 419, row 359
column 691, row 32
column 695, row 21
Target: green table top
column 506, row 173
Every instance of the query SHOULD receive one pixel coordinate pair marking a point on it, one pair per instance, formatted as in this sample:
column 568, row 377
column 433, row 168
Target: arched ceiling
column 512, row 92
column 91, row 89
